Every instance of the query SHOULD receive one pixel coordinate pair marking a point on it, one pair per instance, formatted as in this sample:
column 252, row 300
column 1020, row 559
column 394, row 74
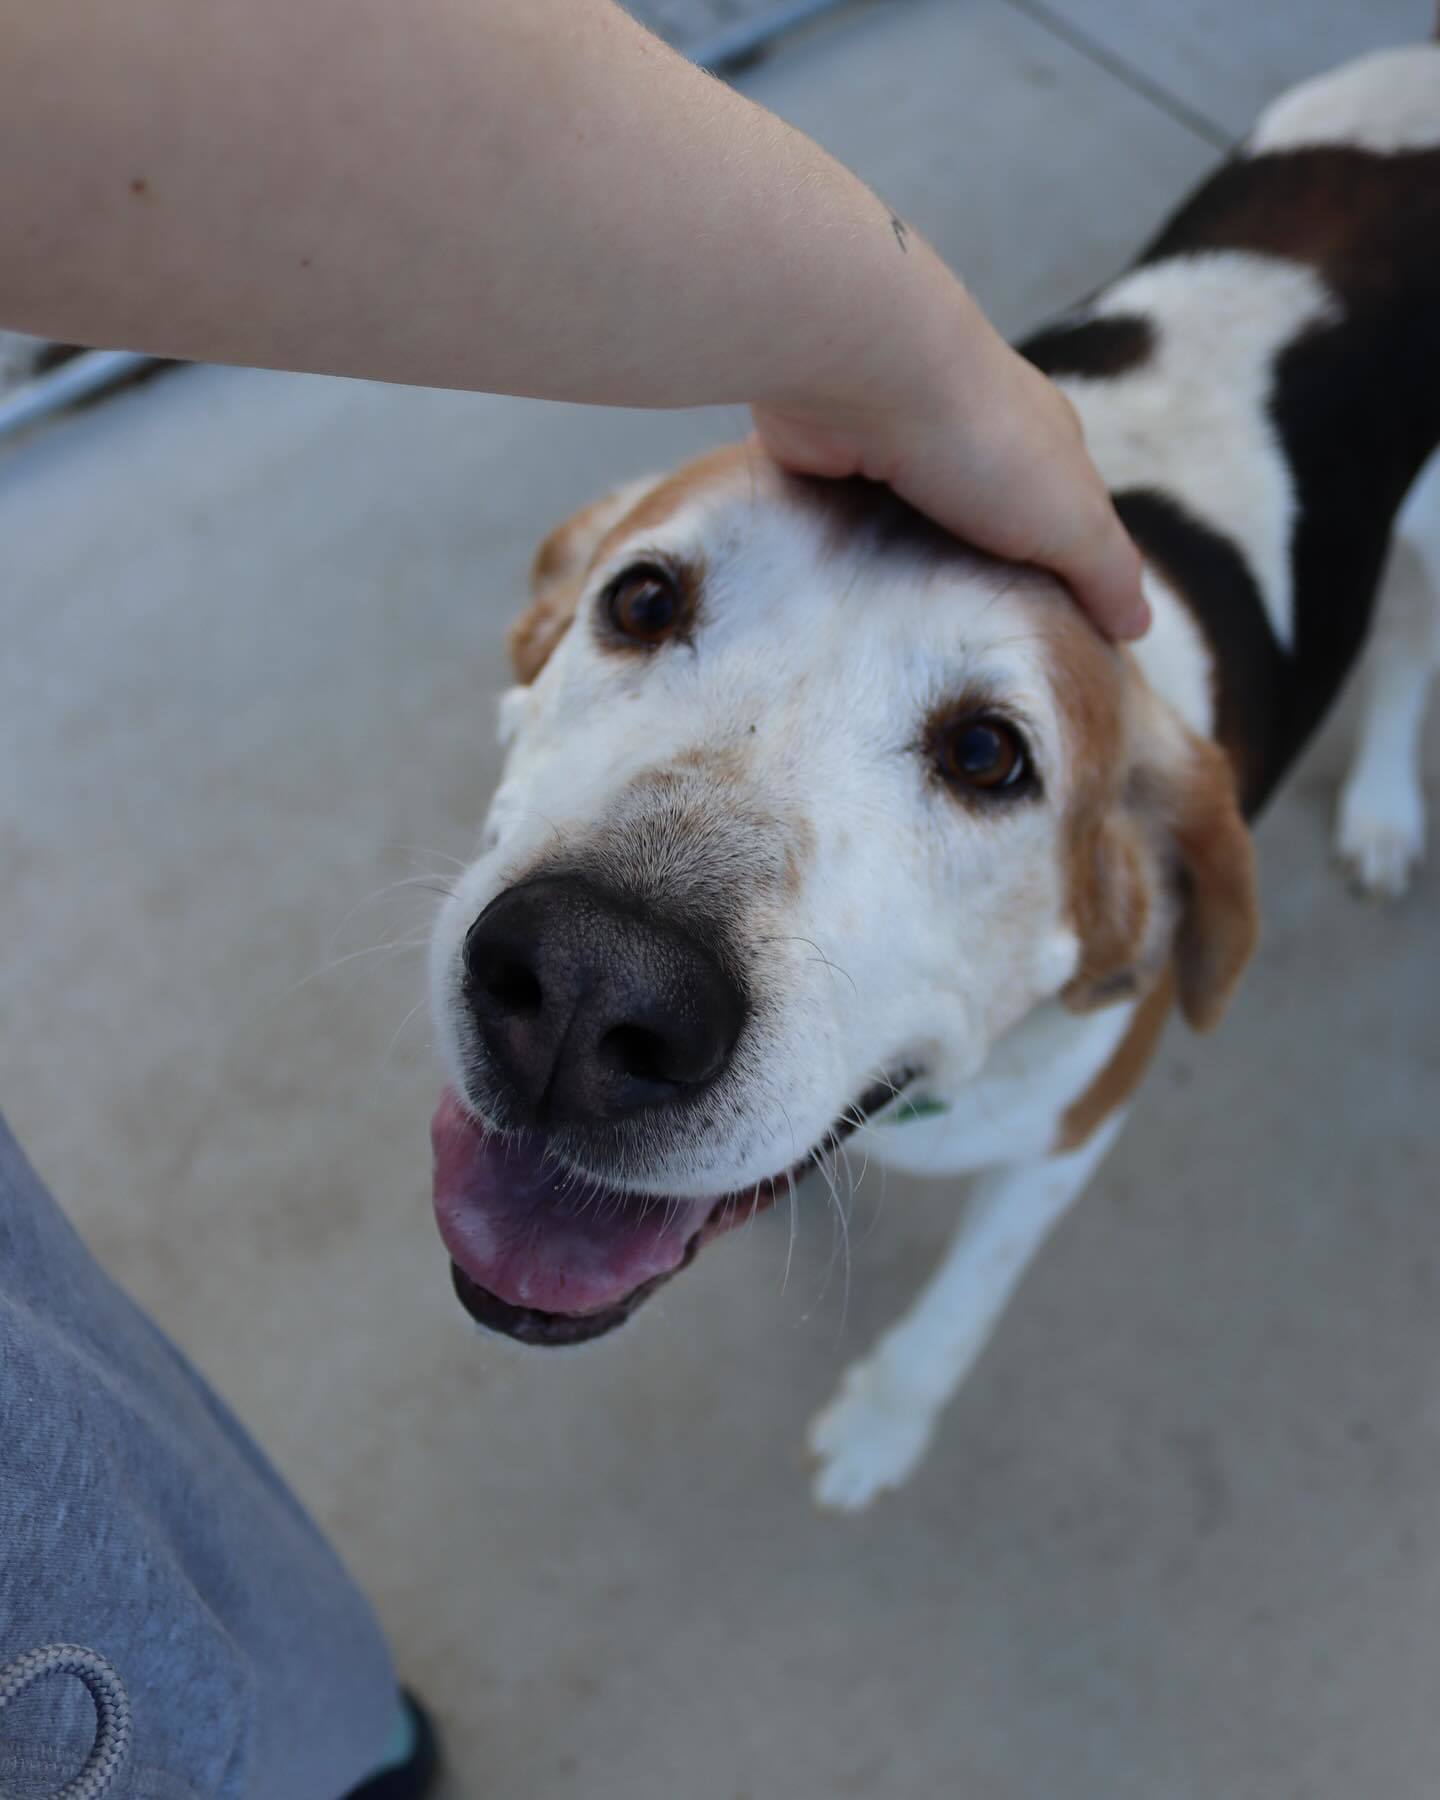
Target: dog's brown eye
column 644, row 603
column 984, row 755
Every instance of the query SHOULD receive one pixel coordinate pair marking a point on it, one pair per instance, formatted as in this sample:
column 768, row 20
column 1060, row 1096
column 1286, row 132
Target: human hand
column 988, row 447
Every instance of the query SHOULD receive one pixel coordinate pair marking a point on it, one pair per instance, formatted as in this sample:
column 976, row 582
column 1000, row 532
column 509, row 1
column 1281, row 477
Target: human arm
column 526, row 196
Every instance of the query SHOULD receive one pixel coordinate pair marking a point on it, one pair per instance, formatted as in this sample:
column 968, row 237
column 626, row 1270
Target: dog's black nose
column 588, row 1010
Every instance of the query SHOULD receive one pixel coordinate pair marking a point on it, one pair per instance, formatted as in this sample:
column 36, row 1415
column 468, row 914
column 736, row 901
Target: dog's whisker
column 794, row 1231
column 840, row 1236
column 339, row 962
column 427, row 881
column 819, row 956
column 418, row 1007
column 455, row 862
column 880, row 1197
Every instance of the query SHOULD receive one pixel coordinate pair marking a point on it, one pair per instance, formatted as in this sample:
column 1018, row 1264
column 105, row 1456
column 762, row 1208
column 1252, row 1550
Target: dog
column 814, row 822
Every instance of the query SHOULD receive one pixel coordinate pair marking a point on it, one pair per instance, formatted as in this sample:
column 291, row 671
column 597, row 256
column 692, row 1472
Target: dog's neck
column 1013, row 1107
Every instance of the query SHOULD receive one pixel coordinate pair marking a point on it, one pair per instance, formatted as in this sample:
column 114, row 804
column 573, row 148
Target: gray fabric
column 138, row 1519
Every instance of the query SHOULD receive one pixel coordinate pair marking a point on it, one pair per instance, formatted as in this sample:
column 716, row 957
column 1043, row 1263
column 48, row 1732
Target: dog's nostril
column 515, row 987
column 587, row 1010
column 639, row 1053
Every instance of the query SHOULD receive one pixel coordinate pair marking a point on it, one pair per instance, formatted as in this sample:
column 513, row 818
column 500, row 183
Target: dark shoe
column 415, row 1777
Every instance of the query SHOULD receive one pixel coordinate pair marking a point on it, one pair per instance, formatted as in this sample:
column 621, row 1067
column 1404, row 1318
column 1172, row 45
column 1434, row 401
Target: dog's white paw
column 869, row 1438
column 1380, row 836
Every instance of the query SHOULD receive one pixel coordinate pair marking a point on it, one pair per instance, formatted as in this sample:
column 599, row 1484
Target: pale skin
column 520, row 196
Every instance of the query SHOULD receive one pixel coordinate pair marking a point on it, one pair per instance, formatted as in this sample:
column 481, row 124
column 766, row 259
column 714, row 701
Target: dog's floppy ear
column 558, row 574
column 1220, row 915
column 1165, row 872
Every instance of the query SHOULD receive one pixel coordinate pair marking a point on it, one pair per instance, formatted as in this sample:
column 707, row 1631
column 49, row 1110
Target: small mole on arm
column 139, row 186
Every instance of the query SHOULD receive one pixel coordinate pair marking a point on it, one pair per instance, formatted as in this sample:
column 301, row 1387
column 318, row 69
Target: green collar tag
column 922, row 1106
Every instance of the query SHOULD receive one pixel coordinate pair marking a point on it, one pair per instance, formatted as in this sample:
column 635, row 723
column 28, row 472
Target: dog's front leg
column 879, row 1425
column 1380, row 824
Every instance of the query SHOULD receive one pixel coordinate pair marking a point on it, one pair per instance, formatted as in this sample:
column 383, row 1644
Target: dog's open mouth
column 549, row 1257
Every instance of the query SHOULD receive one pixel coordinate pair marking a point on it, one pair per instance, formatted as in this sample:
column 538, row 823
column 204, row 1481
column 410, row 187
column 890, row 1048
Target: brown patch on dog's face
column 531, row 640
column 715, row 468
column 723, row 763
column 566, row 557
column 800, row 846
column 1090, row 680
column 1121, row 1075
column 557, row 576
column 723, row 772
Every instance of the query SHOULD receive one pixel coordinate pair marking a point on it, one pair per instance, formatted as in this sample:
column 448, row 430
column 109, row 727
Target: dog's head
column 802, row 803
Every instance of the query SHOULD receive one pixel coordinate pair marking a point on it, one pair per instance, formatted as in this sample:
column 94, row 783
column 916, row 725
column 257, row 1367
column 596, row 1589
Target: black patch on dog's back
column 1092, row 347
column 1358, row 412
column 1216, row 583
column 1365, row 220
column 1355, row 404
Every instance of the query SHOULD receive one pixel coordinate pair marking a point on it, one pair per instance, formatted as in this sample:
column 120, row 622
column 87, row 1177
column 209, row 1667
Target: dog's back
column 1262, row 388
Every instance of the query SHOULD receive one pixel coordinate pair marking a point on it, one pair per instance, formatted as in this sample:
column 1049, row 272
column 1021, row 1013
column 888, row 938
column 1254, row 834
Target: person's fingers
column 1038, row 501
column 1104, row 570
column 809, row 446
column 1009, row 474
column 1082, row 539
column 1062, row 517
column 1041, row 498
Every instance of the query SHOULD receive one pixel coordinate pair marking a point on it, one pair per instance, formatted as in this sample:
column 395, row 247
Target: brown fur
column 1148, row 798
column 1108, row 857
column 566, row 556
column 1184, row 821
column 1121, row 1075
column 664, row 500
column 722, row 763
column 556, row 577
column 1220, row 921
column 1110, row 879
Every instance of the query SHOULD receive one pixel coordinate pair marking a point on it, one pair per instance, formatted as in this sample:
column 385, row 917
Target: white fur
column 1386, row 102
column 1380, row 820
column 880, row 1423
column 919, row 932
column 885, row 924
column 1174, row 657
column 1009, row 1111
column 922, row 931
column 1193, row 420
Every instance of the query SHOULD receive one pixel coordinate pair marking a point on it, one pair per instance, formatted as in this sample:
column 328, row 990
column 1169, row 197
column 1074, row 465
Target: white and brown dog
column 813, row 822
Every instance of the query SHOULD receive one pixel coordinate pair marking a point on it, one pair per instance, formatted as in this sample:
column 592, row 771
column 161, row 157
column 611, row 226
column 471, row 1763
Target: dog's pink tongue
column 534, row 1236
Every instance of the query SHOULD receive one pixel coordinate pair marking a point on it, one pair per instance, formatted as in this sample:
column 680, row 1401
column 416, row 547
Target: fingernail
column 1137, row 622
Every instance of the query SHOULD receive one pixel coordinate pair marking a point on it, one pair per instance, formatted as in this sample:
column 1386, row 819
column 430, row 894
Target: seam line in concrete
column 1136, row 79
